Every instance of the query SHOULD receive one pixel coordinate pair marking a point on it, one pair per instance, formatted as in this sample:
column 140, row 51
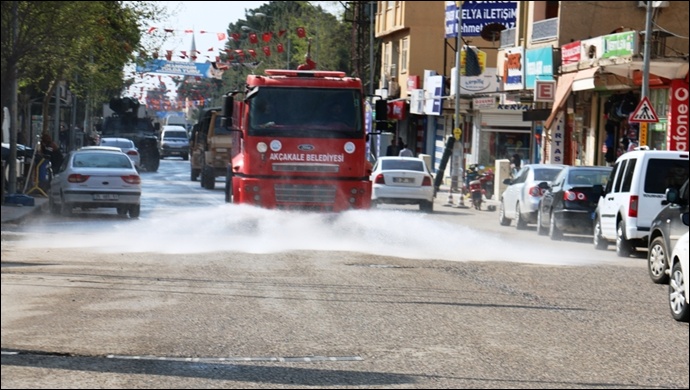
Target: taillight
column 131, row 179
column 77, row 178
column 426, row 182
column 132, row 153
column 535, row 191
column 379, row 179
column 632, row 207
column 574, row 195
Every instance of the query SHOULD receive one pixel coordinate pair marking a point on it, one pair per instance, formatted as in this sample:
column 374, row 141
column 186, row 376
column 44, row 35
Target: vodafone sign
column 677, row 136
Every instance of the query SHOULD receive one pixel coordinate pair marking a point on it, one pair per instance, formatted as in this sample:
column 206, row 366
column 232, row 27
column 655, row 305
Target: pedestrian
column 51, row 151
column 515, row 165
column 405, row 152
column 392, row 149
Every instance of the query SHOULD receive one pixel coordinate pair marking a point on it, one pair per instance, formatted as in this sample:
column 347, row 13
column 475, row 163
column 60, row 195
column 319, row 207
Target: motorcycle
column 481, row 186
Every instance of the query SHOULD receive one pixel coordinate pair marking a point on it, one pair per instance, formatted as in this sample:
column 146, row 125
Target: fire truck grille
column 287, row 167
column 304, row 193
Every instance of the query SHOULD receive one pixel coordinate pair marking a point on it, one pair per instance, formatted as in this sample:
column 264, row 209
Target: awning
column 669, row 70
column 584, row 79
column 563, row 87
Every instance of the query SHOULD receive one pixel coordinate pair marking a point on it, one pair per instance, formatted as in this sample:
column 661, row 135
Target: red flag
column 184, row 53
column 228, row 51
column 252, row 52
column 280, row 48
column 168, row 55
column 281, row 33
column 221, row 36
column 168, row 30
column 266, row 37
column 235, row 37
column 240, row 52
column 210, row 48
column 217, row 58
column 203, row 31
column 301, row 32
column 267, row 51
column 253, row 38
column 189, row 31
column 151, row 29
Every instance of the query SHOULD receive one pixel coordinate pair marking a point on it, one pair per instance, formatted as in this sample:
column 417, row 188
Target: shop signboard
column 570, row 53
column 619, row 45
column 538, row 66
column 557, row 140
column 475, row 15
column 513, row 78
column 677, row 136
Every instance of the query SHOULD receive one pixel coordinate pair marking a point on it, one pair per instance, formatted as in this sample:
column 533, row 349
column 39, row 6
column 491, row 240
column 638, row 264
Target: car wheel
column 185, row 157
column 623, row 247
column 657, row 261
column 134, row 211
column 502, row 220
column 426, row 206
column 65, row 209
column 540, row 228
column 54, row 208
column 600, row 242
column 228, row 186
column 519, row 221
column 122, row 211
column 676, row 294
column 194, row 174
column 554, row 232
column 208, row 178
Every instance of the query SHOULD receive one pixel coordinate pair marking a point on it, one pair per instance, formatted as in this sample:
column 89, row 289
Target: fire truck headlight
column 261, row 147
column 352, row 200
column 353, row 191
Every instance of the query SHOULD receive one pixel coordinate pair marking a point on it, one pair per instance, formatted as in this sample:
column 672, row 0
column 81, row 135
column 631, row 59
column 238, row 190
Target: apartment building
column 558, row 79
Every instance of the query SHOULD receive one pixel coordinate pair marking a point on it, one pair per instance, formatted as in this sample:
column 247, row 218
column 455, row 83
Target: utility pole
column 647, row 50
column 457, row 130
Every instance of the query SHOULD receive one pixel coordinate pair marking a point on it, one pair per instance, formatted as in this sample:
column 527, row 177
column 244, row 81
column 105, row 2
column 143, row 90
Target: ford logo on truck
column 306, row 147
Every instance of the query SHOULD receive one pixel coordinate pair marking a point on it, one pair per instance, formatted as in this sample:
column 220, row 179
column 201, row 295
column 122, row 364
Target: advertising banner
column 538, row 66
column 677, row 136
column 477, row 14
column 513, row 78
column 570, row 53
column 181, row 68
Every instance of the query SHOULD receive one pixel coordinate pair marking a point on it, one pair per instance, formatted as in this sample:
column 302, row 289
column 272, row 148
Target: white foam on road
column 242, row 228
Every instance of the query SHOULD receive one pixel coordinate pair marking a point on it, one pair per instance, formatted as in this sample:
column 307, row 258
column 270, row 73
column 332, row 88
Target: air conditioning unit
column 655, row 4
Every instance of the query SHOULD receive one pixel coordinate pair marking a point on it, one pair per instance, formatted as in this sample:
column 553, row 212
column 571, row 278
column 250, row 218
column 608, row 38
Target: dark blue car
column 568, row 204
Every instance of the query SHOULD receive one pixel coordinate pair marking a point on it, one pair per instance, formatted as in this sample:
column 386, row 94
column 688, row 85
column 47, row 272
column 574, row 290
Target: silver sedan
column 402, row 180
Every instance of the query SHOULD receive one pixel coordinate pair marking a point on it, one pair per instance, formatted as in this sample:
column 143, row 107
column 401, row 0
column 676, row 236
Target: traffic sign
column 457, row 132
column 644, row 113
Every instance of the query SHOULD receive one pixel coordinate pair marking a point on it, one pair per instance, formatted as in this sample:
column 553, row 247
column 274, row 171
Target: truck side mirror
column 228, row 105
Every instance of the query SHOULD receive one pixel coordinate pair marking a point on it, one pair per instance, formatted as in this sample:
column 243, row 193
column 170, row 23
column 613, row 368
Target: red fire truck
column 300, row 142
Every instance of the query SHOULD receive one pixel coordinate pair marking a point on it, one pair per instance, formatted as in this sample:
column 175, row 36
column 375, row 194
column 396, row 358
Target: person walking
column 392, row 149
column 405, row 152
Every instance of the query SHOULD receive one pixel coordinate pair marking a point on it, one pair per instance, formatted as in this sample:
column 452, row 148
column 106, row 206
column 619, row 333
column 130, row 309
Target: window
column 403, row 56
column 627, row 180
column 662, row 174
column 619, row 175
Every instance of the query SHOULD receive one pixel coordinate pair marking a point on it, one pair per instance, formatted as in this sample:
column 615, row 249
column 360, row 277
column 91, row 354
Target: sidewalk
column 12, row 213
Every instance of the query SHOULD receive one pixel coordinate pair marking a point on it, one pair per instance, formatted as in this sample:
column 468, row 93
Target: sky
column 211, row 17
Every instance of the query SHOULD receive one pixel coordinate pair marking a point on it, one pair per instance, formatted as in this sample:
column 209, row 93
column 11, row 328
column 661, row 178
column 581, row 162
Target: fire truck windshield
column 306, row 112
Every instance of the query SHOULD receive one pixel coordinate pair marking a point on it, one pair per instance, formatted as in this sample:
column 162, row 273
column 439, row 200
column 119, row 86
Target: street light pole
column 457, row 130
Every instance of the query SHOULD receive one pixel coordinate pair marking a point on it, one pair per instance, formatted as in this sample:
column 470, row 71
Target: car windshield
column 588, row 176
column 408, row 165
column 116, row 143
column 101, row 160
column 545, row 174
column 174, row 134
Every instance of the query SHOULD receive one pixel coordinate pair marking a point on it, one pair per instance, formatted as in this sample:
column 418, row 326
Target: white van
column 633, row 196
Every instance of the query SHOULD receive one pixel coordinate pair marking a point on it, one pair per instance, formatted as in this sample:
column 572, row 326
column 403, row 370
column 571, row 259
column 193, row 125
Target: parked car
column 402, row 180
column 633, row 195
column 666, row 229
column 520, row 201
column 568, row 204
column 126, row 145
column 96, row 177
column 174, row 141
column 678, row 295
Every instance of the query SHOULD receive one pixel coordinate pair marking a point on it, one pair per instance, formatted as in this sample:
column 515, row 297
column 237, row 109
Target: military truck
column 210, row 147
column 126, row 118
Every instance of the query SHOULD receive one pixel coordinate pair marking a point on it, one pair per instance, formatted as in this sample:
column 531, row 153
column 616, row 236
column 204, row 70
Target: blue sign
column 477, row 14
column 181, row 68
column 538, row 66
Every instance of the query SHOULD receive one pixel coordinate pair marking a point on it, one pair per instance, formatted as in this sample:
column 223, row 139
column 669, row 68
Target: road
column 197, row 293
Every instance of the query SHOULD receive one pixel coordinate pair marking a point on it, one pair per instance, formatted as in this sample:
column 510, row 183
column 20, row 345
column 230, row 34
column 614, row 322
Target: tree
column 85, row 44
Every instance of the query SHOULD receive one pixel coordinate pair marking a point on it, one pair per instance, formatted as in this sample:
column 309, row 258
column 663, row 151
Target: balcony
column 544, row 30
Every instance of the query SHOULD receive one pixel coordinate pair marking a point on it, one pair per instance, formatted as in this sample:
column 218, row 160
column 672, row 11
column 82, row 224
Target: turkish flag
column 168, row 55
column 221, row 36
column 267, row 51
column 151, row 29
column 235, row 37
column 301, row 32
column 267, row 36
column 253, row 38
column 252, row 52
column 280, row 48
column 281, row 33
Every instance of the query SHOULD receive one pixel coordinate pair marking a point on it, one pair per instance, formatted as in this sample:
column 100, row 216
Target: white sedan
column 126, row 145
column 402, row 180
column 678, row 295
column 96, row 177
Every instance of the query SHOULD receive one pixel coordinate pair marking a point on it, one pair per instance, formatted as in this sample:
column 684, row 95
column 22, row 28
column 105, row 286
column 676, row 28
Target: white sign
column 544, row 91
column 433, row 93
column 483, row 102
column 417, row 101
column 644, row 113
column 557, row 138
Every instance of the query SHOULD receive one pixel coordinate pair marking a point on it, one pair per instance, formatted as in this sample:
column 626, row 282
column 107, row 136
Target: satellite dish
column 492, row 32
